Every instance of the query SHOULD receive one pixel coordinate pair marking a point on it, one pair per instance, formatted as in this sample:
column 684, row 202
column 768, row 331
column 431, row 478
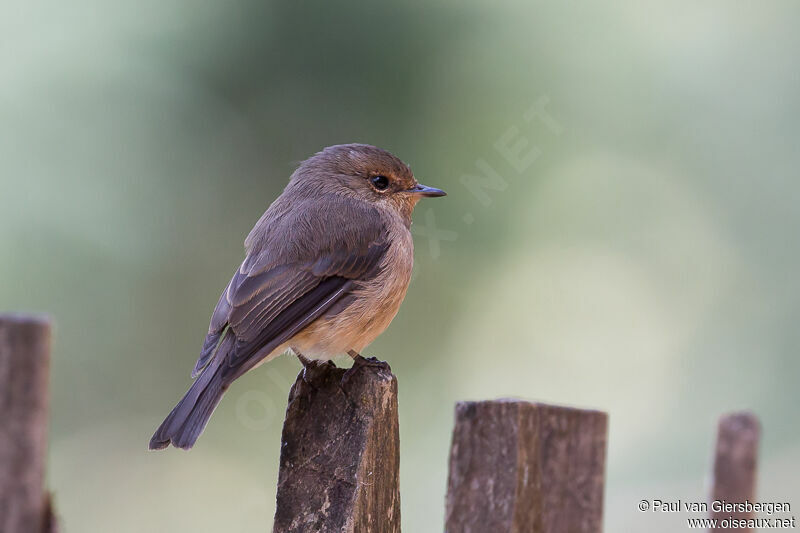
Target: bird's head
column 363, row 172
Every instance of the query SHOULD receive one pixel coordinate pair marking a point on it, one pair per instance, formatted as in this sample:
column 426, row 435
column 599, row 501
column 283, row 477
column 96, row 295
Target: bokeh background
column 643, row 259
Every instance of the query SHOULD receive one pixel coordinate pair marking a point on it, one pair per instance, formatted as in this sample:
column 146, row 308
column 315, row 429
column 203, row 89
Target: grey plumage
column 327, row 266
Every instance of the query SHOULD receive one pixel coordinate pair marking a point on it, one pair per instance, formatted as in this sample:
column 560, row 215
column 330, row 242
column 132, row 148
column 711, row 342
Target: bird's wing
column 285, row 283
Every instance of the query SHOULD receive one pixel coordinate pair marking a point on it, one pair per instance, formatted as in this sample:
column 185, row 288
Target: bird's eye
column 381, row 183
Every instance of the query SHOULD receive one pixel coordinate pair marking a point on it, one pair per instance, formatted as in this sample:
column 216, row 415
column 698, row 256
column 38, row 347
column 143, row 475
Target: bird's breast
column 370, row 307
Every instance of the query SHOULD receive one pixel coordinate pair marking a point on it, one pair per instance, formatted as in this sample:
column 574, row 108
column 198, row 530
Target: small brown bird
column 327, row 267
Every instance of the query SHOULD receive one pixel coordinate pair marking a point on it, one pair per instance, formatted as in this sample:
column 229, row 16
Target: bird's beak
column 424, row 190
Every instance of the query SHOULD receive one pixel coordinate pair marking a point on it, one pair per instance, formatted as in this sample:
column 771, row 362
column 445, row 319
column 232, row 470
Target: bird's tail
column 187, row 420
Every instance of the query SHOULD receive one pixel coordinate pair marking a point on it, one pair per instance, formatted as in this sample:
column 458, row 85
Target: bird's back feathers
column 283, row 285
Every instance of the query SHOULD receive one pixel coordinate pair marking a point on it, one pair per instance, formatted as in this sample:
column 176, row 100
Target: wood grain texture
column 518, row 467
column 735, row 463
column 24, row 374
column 339, row 469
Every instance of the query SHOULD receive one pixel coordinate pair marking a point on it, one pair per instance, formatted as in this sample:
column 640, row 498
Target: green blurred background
column 644, row 263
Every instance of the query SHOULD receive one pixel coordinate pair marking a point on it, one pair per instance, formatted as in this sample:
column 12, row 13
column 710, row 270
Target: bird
column 325, row 271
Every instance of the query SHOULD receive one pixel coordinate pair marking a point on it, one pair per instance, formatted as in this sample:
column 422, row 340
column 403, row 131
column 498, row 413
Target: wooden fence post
column 24, row 375
column 526, row 467
column 340, row 453
column 735, row 464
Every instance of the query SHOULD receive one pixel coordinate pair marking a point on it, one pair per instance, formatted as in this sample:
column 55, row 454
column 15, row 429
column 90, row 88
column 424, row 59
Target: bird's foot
column 360, row 362
column 314, row 370
column 311, row 368
column 305, row 361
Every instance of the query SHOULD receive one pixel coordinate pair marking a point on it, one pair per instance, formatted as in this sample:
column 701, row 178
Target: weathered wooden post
column 517, row 466
column 24, row 375
column 735, row 465
column 340, row 453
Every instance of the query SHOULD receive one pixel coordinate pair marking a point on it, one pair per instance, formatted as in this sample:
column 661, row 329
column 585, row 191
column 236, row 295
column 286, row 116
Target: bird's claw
column 314, row 370
column 360, row 362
